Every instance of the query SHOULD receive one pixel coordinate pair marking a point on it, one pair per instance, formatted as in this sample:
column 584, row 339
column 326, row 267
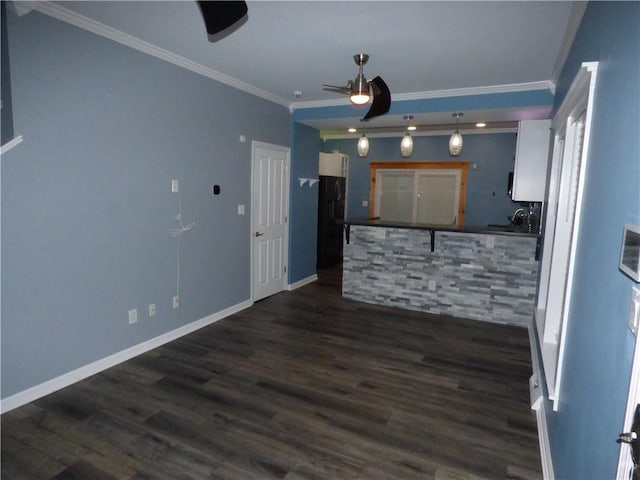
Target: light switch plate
column 240, row 209
column 634, row 310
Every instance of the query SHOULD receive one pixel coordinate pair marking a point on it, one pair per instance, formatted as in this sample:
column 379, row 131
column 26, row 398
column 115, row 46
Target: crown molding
column 573, row 23
column 451, row 92
column 80, row 21
column 21, row 8
column 485, row 90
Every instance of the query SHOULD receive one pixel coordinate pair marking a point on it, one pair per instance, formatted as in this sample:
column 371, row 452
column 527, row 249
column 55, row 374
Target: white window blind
column 422, row 196
column 562, row 228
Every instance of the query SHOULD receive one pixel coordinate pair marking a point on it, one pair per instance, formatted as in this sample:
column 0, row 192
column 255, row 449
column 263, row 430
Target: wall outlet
column 176, row 301
column 365, row 203
column 133, row 316
column 174, row 186
column 152, row 309
column 240, row 209
column 490, row 241
column 432, row 285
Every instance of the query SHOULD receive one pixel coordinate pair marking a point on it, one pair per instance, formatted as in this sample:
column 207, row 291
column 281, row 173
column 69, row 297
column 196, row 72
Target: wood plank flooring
column 303, row 385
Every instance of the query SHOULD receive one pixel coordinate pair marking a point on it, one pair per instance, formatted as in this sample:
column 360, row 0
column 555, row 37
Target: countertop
column 488, row 229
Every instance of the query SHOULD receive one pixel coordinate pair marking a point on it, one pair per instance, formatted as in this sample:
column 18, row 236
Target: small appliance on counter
column 527, row 218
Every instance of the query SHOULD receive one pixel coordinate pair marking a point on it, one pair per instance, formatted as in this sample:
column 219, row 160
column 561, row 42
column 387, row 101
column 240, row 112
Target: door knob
column 258, row 234
column 632, row 439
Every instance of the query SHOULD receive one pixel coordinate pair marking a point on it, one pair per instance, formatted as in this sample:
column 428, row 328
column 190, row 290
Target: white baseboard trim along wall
column 543, row 432
column 538, row 405
column 303, row 282
column 58, row 383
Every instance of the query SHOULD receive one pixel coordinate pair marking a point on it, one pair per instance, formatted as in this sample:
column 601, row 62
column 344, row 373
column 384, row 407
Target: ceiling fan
column 359, row 90
column 220, row 15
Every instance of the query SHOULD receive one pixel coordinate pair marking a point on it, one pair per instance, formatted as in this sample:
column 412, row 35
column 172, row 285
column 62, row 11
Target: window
column 418, row 192
column 571, row 127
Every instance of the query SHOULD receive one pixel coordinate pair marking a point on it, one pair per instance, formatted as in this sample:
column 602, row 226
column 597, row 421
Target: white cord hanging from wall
column 178, row 231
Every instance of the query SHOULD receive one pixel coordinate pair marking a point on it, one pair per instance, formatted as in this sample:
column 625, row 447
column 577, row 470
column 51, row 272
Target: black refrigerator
column 331, row 204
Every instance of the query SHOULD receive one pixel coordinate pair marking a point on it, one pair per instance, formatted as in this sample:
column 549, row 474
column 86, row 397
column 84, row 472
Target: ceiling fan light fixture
column 456, row 142
column 363, row 146
column 359, row 91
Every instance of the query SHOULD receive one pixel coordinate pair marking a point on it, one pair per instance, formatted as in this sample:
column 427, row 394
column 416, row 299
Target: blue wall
column 303, row 206
column 483, row 101
column 599, row 345
column 87, row 207
column 487, row 200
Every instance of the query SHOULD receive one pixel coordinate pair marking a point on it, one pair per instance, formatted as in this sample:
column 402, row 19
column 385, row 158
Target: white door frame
column 254, row 145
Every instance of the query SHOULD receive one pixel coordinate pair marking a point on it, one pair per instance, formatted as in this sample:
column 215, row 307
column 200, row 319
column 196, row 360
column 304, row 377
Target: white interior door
column 269, row 207
column 625, row 463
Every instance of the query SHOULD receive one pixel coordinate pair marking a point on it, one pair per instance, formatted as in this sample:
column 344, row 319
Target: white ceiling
column 417, row 47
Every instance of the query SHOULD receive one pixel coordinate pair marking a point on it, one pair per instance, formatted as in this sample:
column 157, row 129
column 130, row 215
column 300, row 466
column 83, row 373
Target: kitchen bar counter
column 490, row 229
column 509, row 230
column 474, row 273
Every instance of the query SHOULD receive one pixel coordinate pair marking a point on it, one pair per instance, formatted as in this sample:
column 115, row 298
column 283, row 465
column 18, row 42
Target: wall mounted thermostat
column 630, row 252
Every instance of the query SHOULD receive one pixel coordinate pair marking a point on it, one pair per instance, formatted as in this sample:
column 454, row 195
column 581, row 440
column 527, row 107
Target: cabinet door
column 532, row 152
column 333, row 164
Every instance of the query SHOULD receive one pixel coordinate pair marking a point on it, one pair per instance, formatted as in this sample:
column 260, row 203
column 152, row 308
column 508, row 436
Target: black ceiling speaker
column 219, row 16
column 360, row 90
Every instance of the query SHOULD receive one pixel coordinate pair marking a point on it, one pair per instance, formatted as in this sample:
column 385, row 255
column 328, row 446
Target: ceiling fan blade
column 336, row 88
column 219, row 16
column 381, row 99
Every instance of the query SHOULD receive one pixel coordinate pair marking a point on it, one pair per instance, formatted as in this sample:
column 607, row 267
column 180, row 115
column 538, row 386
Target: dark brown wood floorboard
column 303, row 385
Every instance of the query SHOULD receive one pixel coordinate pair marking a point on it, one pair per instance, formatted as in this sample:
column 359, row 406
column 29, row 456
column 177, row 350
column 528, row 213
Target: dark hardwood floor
column 303, row 385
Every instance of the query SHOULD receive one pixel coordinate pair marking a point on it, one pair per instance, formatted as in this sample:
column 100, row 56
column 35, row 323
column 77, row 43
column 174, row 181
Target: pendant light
column 363, row 145
column 406, row 144
column 455, row 142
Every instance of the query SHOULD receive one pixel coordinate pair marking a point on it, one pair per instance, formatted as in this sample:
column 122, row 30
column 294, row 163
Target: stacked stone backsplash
column 478, row 276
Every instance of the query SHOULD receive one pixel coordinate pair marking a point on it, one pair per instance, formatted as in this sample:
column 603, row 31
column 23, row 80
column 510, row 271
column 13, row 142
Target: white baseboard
column 303, row 282
column 543, row 440
column 536, row 392
column 50, row 386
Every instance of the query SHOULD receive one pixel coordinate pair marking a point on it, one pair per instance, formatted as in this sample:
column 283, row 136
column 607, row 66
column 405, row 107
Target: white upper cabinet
column 335, row 164
column 532, row 154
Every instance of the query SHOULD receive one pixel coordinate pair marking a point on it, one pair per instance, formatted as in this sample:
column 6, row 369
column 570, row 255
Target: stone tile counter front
column 481, row 275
